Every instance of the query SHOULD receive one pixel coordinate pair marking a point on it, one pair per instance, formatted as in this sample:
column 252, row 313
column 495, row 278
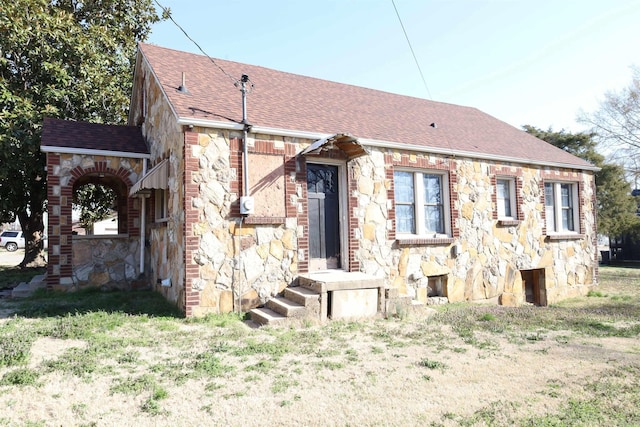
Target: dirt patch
column 45, row 348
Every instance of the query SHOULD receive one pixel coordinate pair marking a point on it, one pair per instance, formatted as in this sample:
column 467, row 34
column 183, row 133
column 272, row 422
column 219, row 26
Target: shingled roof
column 293, row 102
column 68, row 134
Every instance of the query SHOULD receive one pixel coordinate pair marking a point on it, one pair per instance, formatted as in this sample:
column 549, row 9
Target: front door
column 324, row 217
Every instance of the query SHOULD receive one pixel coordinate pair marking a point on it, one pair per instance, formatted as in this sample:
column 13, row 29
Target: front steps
column 334, row 293
column 296, row 303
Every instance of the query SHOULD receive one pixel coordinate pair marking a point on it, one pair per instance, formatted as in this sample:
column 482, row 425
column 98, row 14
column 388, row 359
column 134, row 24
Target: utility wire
column 168, row 14
column 415, row 58
column 412, row 52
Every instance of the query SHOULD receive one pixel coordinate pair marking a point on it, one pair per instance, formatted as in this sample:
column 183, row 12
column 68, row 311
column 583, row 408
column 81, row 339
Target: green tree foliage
column 95, row 202
column 616, row 208
column 67, row 59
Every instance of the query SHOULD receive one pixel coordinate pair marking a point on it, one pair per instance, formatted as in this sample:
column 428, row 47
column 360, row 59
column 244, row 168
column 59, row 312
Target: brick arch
column 100, row 167
column 60, row 188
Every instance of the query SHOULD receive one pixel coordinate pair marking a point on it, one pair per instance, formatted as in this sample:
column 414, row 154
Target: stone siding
column 165, row 256
column 105, row 261
column 243, row 262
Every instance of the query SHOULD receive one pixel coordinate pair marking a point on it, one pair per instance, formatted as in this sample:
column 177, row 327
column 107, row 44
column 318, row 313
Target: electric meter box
column 247, row 205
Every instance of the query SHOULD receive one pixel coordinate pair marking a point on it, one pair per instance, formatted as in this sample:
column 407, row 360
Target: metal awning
column 345, row 142
column 156, row 178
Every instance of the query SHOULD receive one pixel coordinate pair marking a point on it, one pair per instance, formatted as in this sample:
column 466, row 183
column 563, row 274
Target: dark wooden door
column 324, row 217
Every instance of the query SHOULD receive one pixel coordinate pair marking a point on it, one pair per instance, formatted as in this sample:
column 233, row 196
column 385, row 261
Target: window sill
column 264, row 220
column 99, row 236
column 508, row 222
column 566, row 236
column 424, row 241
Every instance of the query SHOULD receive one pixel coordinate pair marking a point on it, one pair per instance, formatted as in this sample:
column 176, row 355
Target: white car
column 12, row 240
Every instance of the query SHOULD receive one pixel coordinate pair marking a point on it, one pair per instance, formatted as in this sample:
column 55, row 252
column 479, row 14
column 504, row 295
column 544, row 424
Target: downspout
column 143, row 213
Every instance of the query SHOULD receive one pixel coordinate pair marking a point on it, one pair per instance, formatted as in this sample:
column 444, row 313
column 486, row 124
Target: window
column 560, row 206
column 420, row 203
column 506, row 197
column 161, row 200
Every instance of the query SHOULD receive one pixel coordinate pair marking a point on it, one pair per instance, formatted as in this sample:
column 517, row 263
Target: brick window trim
column 512, row 173
column 422, row 164
column 574, row 180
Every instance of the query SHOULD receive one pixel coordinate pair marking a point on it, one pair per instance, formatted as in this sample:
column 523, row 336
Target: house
column 253, row 181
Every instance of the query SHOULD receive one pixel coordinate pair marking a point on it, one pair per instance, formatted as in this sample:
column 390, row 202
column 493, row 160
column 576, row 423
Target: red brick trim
column 423, row 164
column 508, row 172
column 302, row 213
column 60, row 201
column 569, row 177
column 191, row 215
column 353, row 221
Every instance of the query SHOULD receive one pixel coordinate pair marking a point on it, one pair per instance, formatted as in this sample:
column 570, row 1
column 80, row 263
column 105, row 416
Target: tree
column 68, row 59
column 95, row 202
column 616, row 207
column 616, row 124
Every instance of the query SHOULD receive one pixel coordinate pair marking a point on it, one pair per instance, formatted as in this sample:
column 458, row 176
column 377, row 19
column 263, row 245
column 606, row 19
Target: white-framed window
column 422, row 203
column 506, row 198
column 561, row 207
column 161, row 201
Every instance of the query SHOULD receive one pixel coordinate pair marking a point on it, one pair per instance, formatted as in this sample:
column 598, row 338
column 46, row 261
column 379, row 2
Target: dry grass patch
column 128, row 359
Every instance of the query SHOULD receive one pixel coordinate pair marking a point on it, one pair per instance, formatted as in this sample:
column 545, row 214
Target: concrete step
column 38, row 282
column 266, row 316
column 286, row 307
column 302, row 296
column 23, row 290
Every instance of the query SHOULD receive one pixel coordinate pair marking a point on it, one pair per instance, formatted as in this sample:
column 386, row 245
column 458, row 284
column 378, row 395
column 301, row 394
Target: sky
column 535, row 62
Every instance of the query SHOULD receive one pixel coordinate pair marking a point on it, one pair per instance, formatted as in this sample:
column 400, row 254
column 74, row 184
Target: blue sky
column 525, row 62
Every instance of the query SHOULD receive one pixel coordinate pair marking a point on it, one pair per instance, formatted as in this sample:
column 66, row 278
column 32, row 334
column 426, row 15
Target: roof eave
column 88, row 151
column 186, row 121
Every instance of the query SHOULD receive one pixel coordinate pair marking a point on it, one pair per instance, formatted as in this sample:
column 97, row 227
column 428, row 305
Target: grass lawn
column 129, row 358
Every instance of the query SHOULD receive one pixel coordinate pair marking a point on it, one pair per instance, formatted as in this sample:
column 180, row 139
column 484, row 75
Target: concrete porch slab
column 338, row 280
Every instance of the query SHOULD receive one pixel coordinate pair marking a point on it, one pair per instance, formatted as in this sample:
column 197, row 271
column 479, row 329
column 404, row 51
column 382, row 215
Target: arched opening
column 99, row 205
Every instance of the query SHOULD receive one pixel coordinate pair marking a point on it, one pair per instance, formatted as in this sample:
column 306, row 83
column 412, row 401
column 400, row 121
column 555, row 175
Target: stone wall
column 234, row 262
column 484, row 258
column 109, row 261
column 165, row 256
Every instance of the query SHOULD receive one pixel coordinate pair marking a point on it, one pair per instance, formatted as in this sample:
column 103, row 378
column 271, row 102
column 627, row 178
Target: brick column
column 192, row 271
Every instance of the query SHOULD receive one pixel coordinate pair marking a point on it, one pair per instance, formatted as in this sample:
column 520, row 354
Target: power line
column 168, row 14
column 411, row 48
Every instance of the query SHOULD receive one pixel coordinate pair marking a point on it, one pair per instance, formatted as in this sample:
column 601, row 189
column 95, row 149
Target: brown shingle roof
column 293, row 102
column 92, row 136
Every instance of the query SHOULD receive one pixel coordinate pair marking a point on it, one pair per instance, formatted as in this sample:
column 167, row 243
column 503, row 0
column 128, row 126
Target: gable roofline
column 185, row 121
column 142, row 57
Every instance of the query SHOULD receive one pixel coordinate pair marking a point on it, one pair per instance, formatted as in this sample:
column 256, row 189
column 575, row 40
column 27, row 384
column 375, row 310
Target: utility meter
column 247, row 205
